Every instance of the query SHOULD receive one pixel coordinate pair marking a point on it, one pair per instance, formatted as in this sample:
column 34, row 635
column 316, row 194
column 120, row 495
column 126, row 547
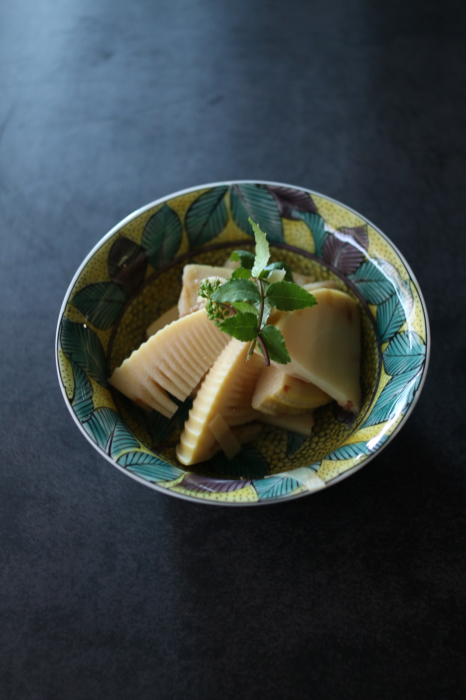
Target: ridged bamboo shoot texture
column 174, row 360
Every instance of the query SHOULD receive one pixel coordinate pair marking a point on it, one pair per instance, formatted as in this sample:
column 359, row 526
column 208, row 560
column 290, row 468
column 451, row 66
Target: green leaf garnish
column 241, row 326
column 266, row 311
column 275, row 344
column 262, row 249
column 242, row 305
column 244, row 308
column 241, row 273
column 245, row 257
column 236, row 290
column 287, row 296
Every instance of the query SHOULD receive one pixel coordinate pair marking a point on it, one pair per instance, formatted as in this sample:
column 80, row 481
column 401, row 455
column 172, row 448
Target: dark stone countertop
column 110, row 590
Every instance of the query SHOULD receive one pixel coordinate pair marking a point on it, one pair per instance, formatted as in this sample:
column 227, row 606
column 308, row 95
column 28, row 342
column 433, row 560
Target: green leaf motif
column 237, row 290
column 405, row 353
column 275, row 487
column 245, row 257
column 262, row 249
column 390, row 317
column 206, row 217
column 121, row 440
column 354, row 449
column 101, row 425
column 241, row 326
column 395, row 398
column 287, row 296
column 255, row 201
column 241, row 273
column 82, row 345
column 127, row 264
column 275, row 344
column 198, row 483
column 162, row 236
column 372, row 283
column 316, row 225
column 294, row 442
column 101, row 303
column 149, row 467
column 82, row 403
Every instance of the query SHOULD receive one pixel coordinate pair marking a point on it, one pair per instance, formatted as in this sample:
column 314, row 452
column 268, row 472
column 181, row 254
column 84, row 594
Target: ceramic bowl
column 133, row 275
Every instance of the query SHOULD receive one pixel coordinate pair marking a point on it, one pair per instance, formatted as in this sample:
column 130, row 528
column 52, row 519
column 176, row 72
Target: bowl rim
column 269, row 501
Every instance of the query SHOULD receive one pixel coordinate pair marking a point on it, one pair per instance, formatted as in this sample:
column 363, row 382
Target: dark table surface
column 109, row 589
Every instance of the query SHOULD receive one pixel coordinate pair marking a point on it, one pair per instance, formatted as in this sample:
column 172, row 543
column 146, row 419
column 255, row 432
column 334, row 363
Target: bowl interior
column 134, row 276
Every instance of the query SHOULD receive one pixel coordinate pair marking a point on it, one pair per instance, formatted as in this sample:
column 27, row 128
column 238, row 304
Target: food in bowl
column 228, row 318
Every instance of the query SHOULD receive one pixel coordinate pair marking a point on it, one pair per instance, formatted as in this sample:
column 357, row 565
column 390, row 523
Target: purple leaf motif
column 359, row 233
column 127, row 264
column 204, row 484
column 342, row 249
column 289, row 199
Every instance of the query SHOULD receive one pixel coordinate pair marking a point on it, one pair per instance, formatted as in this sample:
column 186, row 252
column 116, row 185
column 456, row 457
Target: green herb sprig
column 242, row 305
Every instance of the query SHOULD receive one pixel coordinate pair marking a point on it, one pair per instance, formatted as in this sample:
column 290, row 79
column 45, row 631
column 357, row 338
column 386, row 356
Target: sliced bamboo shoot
column 225, row 437
column 227, row 390
column 324, row 343
column 278, row 393
column 174, row 360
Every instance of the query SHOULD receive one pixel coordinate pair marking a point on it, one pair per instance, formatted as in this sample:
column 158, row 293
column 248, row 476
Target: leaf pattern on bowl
column 162, row 236
column 372, row 282
column 82, row 402
column 206, row 217
column 345, row 250
column 83, row 346
column 149, row 467
column 127, row 264
column 101, row 303
column 197, row 483
column 276, row 486
column 291, row 202
column 255, row 201
column 101, row 425
column 316, row 225
column 404, row 359
column 391, row 316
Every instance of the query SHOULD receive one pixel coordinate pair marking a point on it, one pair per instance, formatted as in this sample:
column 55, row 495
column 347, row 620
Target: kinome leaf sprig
column 241, row 306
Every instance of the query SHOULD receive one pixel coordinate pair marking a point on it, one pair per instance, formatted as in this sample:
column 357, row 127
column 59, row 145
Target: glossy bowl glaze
column 133, row 275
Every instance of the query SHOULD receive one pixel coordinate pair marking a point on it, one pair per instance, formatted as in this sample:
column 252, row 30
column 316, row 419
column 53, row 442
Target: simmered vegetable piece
column 278, row 393
column 324, row 344
column 174, row 360
column 227, row 390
